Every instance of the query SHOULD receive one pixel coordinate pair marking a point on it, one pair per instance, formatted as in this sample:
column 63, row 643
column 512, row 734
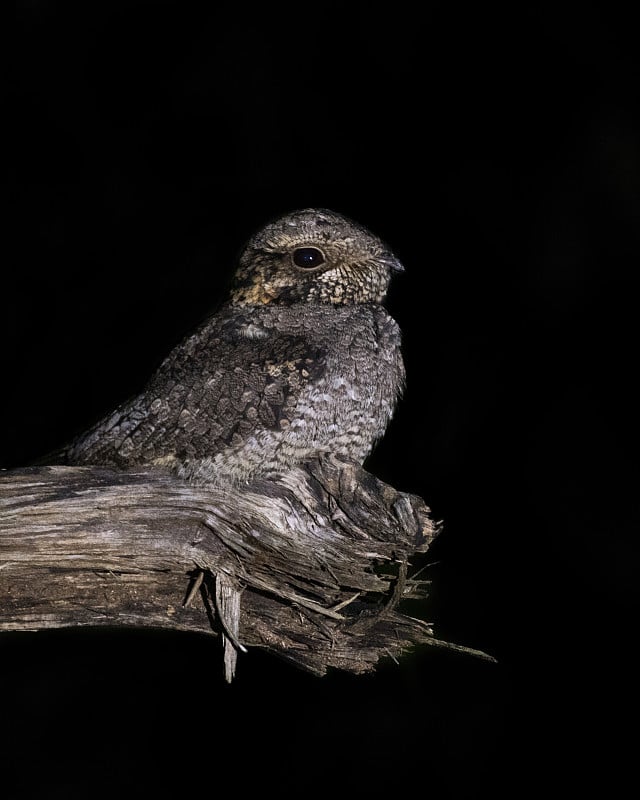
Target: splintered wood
column 311, row 567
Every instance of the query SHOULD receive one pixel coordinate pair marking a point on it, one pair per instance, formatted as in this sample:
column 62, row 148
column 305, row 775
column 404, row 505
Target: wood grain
column 311, row 567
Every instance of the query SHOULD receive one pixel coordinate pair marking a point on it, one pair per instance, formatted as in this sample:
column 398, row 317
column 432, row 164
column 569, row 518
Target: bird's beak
column 390, row 261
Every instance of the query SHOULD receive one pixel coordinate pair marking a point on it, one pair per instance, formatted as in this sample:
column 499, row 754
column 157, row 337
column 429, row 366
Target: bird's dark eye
column 308, row 257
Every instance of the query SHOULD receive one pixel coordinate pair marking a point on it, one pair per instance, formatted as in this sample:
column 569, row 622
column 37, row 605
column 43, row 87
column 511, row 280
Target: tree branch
column 310, row 567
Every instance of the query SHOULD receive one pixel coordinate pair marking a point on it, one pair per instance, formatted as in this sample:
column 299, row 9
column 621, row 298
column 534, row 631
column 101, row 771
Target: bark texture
column 310, row 567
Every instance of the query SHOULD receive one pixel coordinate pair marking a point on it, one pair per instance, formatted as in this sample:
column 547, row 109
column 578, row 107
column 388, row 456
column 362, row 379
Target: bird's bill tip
column 390, row 261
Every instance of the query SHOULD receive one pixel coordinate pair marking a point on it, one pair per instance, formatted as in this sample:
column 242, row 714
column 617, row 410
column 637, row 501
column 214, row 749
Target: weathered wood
column 311, row 567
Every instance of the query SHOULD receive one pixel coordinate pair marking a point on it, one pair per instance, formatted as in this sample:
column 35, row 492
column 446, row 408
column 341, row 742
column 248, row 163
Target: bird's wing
column 231, row 378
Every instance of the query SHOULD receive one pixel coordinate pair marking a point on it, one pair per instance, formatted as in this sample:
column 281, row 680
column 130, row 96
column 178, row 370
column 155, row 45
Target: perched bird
column 301, row 359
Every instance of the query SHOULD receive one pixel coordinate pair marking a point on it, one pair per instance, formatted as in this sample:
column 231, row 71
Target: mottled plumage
column 301, row 359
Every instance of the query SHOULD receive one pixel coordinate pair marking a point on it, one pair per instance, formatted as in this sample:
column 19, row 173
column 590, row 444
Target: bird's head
column 316, row 256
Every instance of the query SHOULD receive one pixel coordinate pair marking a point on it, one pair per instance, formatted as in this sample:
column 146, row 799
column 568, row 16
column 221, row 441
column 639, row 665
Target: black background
column 497, row 150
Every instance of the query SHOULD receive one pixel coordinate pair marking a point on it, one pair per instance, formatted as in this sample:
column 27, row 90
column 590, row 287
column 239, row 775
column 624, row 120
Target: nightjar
column 301, row 359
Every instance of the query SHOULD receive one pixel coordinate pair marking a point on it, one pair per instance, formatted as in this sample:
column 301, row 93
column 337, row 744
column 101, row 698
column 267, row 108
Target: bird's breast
column 346, row 407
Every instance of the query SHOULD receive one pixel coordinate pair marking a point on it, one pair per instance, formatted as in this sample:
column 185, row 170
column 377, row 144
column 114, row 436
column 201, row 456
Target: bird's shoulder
column 237, row 340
